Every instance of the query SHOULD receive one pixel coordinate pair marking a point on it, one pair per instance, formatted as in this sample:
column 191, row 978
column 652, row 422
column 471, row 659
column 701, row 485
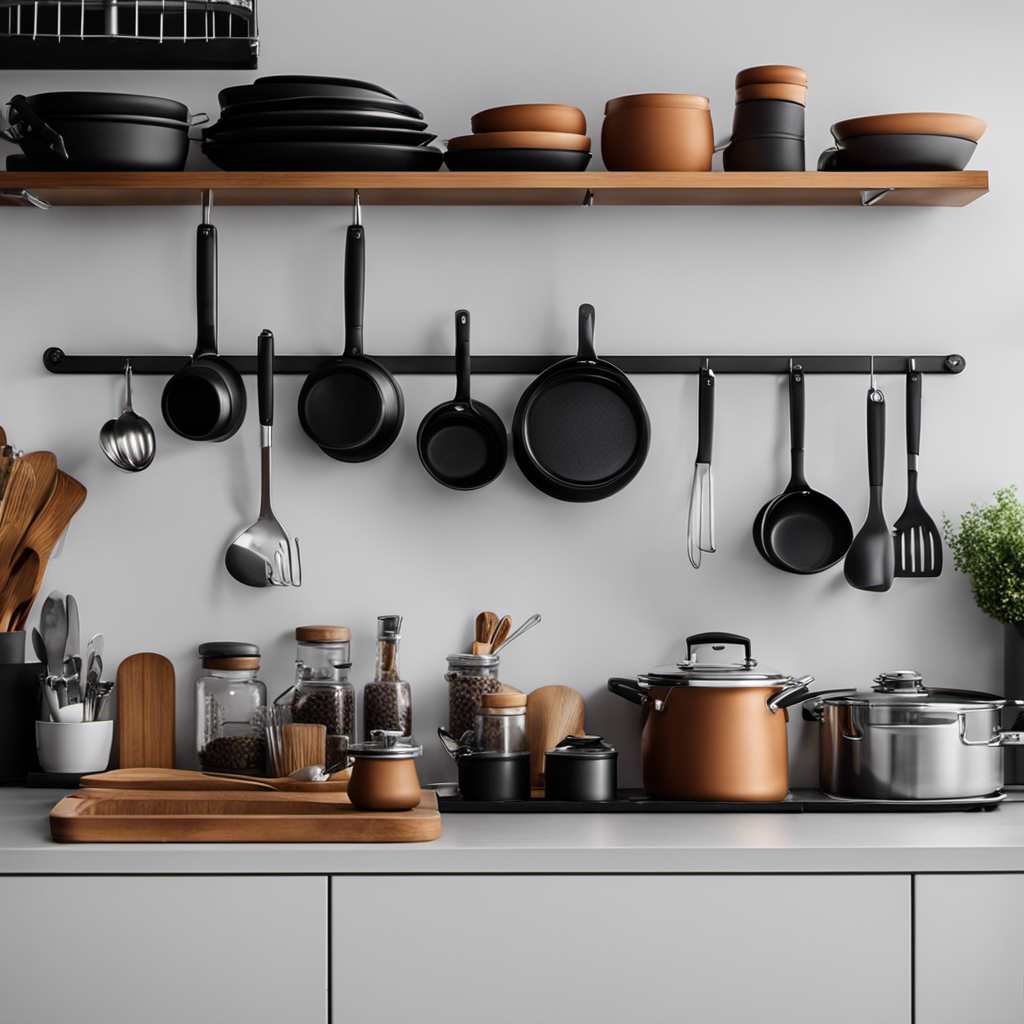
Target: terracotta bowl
column 785, row 74
column 962, row 126
column 659, row 132
column 521, row 140
column 772, row 91
column 531, row 117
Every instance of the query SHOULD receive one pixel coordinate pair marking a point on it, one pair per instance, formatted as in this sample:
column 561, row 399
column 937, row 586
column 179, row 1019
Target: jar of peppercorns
column 469, row 677
column 387, row 699
column 231, row 708
column 322, row 694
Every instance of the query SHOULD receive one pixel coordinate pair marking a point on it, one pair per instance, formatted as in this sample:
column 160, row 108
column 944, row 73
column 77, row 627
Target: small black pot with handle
column 489, row 774
column 581, row 768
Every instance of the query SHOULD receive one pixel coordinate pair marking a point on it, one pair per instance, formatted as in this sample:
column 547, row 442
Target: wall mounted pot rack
column 56, row 360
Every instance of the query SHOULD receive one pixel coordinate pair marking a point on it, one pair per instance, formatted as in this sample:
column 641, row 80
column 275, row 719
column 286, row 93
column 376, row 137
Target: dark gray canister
column 19, row 708
column 581, row 768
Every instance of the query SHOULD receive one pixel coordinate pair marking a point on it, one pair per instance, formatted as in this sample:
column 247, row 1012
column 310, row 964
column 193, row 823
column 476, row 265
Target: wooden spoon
column 485, row 623
column 552, row 713
column 67, row 498
column 501, row 632
column 179, row 779
column 18, row 510
column 45, row 466
column 18, row 588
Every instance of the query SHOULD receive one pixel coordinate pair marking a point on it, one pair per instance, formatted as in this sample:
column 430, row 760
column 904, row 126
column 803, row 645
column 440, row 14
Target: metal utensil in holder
column 170, row 34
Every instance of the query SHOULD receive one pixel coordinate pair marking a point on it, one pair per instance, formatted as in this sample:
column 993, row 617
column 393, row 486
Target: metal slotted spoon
column 262, row 555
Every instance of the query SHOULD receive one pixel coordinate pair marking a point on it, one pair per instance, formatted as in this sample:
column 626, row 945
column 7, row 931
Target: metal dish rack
column 184, row 35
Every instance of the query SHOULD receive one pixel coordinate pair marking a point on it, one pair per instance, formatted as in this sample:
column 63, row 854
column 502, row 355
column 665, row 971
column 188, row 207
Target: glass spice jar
column 231, row 709
column 387, row 700
column 469, row 677
column 322, row 694
column 500, row 723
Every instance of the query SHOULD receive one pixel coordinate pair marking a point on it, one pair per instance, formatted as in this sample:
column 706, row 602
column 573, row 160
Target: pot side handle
column 1004, row 738
column 628, row 689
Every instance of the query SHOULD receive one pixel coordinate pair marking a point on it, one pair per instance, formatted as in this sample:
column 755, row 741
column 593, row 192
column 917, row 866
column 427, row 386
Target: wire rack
column 178, row 34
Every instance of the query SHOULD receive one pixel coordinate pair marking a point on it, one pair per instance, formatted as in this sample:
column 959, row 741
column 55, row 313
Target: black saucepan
column 57, row 103
column 322, row 80
column 352, row 407
column 802, row 530
column 321, row 156
column 319, row 118
column 302, row 102
column 581, row 431
column 320, row 133
column 206, row 400
column 462, row 444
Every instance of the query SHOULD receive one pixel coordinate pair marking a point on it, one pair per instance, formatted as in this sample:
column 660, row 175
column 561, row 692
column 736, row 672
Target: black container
column 768, row 117
column 19, row 708
column 490, row 775
column 765, row 153
column 907, row 152
column 581, row 768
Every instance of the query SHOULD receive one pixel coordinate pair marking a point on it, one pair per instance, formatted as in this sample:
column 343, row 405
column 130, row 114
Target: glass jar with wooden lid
column 230, row 709
column 322, row 694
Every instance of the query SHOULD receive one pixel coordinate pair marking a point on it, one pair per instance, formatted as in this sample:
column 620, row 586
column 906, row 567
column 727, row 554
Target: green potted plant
column 988, row 547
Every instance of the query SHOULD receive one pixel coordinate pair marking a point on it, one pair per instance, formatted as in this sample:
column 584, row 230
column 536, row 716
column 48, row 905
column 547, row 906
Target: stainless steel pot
column 903, row 741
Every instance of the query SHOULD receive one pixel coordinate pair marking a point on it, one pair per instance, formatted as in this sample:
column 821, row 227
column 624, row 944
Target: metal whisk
column 700, row 530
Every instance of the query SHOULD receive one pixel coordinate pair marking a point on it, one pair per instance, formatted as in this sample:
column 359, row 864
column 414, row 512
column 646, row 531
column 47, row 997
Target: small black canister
column 581, row 768
column 19, row 709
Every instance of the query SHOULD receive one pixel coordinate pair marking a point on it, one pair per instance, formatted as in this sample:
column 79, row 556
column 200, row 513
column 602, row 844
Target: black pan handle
column 587, row 352
column 463, row 368
column 913, row 412
column 628, row 689
column 265, row 377
column 876, row 437
column 355, row 283
column 206, row 290
column 706, row 415
column 798, row 481
column 699, row 639
column 36, row 126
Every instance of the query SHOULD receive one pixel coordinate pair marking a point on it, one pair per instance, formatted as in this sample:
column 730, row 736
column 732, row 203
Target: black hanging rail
column 56, row 360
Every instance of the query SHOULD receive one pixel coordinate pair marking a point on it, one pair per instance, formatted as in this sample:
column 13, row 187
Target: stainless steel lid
column 473, row 660
column 704, row 666
column 905, row 688
column 384, row 744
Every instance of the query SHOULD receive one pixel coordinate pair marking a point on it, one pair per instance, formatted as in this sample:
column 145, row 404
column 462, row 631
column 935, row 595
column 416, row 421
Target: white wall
column 612, row 580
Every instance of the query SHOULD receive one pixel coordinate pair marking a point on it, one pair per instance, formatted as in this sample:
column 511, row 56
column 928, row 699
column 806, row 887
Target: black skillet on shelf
column 462, row 443
column 352, row 407
column 581, row 432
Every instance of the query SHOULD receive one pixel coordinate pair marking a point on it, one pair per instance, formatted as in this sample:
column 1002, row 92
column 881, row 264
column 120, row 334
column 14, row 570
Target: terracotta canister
column 657, row 131
column 384, row 774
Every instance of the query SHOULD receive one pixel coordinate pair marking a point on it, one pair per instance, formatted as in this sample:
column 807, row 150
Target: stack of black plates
column 309, row 123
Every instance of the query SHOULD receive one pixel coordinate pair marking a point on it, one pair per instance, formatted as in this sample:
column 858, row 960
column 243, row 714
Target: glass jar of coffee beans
column 469, row 677
column 322, row 694
column 387, row 700
column 230, row 710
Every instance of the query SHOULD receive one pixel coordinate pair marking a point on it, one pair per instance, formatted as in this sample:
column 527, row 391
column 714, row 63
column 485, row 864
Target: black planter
column 19, row 707
column 1013, row 689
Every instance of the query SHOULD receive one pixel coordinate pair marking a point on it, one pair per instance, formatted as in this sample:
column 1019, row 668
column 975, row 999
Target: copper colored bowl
column 521, row 140
column 384, row 784
column 960, row 125
column 531, row 117
column 657, row 132
column 772, row 91
column 786, row 74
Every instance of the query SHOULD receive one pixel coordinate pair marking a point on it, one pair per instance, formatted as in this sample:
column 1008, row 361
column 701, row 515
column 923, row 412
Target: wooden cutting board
column 145, row 712
column 185, row 781
column 137, row 816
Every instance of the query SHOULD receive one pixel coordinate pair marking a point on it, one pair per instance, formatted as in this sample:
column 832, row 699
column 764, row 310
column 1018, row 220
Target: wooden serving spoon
column 501, row 632
column 552, row 713
column 18, row 510
column 485, row 623
column 45, row 466
column 18, row 588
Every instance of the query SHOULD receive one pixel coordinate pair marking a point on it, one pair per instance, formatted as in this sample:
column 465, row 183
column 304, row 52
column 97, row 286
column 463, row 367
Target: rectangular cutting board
column 140, row 816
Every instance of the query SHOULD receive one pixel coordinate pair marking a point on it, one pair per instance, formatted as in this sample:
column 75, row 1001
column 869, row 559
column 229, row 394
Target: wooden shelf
column 623, row 188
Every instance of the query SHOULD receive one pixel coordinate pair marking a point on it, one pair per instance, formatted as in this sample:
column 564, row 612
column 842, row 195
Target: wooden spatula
column 18, row 589
column 485, row 623
column 45, row 466
column 16, row 514
column 501, row 632
column 552, row 713
column 145, row 712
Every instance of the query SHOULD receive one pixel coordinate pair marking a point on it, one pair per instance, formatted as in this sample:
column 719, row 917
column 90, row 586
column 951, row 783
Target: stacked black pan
column 309, row 123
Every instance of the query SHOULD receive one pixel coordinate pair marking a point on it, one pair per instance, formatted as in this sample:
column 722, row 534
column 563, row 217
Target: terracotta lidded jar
column 384, row 774
column 657, row 131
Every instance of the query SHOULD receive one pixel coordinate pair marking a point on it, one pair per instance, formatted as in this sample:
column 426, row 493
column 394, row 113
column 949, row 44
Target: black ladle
column 871, row 560
column 462, row 444
column 802, row 530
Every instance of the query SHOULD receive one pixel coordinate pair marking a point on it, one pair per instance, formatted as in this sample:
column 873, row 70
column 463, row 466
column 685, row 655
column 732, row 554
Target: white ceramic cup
column 74, row 748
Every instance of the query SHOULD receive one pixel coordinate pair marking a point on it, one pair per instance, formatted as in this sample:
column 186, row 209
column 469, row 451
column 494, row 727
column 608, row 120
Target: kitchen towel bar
column 56, row 360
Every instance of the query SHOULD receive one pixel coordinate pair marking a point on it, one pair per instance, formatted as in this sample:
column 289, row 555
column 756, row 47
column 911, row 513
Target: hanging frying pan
column 462, row 444
column 352, row 406
column 581, row 431
column 206, row 400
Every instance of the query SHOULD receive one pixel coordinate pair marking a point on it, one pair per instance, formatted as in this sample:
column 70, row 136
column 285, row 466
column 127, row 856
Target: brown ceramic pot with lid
column 658, row 131
column 384, row 774
column 711, row 729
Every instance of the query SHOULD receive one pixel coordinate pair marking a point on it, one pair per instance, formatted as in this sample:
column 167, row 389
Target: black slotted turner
column 915, row 536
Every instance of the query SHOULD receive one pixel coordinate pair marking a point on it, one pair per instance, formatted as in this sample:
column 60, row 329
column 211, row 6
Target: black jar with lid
column 581, row 768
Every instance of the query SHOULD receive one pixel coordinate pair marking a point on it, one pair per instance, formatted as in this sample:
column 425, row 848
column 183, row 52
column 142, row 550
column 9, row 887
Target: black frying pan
column 462, row 444
column 581, row 431
column 206, row 400
column 352, row 407
column 802, row 530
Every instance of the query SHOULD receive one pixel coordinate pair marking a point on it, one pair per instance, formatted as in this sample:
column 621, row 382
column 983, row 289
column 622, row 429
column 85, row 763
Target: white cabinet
column 163, row 950
column 969, row 949
column 686, row 949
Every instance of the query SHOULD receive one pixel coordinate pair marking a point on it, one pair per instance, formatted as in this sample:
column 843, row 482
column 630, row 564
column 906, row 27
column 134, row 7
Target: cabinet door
column 160, row 950
column 969, row 949
column 606, row 949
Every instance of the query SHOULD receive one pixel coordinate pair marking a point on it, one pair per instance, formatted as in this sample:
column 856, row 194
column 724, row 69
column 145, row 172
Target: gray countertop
column 560, row 844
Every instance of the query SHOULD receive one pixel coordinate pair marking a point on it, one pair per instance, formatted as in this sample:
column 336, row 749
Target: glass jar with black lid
column 322, row 694
column 230, row 709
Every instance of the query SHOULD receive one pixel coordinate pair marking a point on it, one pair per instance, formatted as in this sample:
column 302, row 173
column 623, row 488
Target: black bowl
column 516, row 160
column 321, row 156
column 907, row 152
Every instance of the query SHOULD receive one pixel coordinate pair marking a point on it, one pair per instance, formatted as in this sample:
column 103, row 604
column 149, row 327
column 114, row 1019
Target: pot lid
column 705, row 666
column 385, row 744
column 905, row 688
column 590, row 747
